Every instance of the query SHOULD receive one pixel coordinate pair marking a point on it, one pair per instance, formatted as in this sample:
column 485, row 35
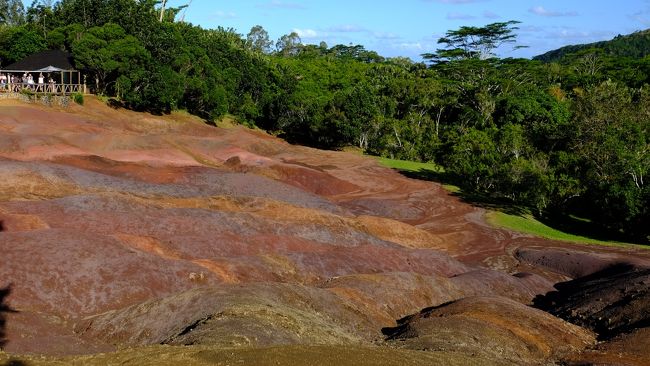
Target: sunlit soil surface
column 180, row 243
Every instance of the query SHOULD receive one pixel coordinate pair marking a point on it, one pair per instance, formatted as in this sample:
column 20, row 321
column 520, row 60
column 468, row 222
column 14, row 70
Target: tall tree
column 19, row 42
column 258, row 39
column 474, row 42
column 108, row 52
column 289, row 44
column 41, row 15
column 12, row 12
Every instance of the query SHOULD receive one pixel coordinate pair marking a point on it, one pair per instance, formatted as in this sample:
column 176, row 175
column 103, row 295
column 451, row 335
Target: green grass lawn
column 525, row 223
column 410, row 166
column 414, row 169
column 529, row 225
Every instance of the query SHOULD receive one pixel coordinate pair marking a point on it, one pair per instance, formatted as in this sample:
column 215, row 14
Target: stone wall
column 48, row 100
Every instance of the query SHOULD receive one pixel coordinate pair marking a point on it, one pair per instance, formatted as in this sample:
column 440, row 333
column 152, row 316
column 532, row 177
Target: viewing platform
column 42, row 75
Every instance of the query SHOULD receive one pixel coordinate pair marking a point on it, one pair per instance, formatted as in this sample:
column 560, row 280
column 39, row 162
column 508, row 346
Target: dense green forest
column 636, row 44
column 562, row 138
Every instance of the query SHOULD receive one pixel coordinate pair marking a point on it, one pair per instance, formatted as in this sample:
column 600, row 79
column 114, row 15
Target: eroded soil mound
column 611, row 301
column 493, row 328
column 121, row 229
column 576, row 263
column 630, row 349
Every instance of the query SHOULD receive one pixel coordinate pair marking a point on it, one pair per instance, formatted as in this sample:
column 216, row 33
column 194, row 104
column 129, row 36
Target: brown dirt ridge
column 128, row 238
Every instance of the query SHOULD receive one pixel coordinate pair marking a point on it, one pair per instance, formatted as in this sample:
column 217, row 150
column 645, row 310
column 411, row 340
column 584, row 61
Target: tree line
column 636, row 44
column 561, row 138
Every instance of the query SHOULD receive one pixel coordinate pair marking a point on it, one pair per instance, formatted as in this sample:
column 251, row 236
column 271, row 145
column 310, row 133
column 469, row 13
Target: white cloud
column 307, row 33
column 414, row 46
column 541, row 11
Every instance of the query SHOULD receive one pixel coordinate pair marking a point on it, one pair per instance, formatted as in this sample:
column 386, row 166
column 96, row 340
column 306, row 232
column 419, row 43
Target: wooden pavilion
column 50, row 71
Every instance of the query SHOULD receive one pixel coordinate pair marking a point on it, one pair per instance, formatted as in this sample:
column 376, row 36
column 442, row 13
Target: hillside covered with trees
column 560, row 138
column 635, row 45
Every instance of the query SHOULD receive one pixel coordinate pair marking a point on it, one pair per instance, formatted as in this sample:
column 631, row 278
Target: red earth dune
column 122, row 229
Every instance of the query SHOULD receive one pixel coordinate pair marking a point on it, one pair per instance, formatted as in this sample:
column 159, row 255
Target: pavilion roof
column 52, row 59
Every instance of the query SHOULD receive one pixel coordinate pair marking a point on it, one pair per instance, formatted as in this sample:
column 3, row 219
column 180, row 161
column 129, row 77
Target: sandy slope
column 126, row 229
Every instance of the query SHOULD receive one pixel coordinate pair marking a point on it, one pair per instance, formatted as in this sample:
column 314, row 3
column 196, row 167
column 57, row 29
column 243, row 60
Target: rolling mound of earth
column 138, row 239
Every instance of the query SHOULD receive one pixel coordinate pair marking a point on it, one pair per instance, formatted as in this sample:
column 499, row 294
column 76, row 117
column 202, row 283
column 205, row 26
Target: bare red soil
column 125, row 229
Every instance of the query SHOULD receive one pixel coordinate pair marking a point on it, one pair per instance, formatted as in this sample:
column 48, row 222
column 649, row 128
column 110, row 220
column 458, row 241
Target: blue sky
column 412, row 27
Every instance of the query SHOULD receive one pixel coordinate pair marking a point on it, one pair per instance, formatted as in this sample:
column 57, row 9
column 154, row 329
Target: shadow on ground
column 564, row 222
column 577, row 226
column 483, row 201
column 14, row 363
column 4, row 309
column 610, row 302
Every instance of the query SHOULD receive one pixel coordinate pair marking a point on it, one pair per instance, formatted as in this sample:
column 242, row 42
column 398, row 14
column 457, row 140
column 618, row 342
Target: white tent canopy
column 50, row 69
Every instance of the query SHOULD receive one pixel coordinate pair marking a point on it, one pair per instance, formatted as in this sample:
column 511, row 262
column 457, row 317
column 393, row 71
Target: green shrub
column 27, row 92
column 78, row 98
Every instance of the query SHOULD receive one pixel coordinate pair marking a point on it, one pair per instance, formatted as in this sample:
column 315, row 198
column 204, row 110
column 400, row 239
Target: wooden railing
column 55, row 89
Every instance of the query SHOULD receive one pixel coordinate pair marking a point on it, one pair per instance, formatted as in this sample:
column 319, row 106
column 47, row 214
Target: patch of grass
column 182, row 112
column 423, row 171
column 102, row 98
column 411, row 166
column 529, row 225
column 451, row 188
column 227, row 122
column 353, row 150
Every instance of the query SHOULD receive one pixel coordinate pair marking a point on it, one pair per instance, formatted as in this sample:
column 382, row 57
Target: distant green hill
column 633, row 45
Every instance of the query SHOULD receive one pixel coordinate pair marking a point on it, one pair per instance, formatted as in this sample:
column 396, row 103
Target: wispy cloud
column 347, row 28
column 333, row 33
column 459, row 16
column 219, row 14
column 579, row 34
column 412, row 46
column 278, row 4
column 642, row 16
column 490, row 15
column 557, row 36
column 563, row 32
column 386, row 36
column 541, row 11
column 531, row 29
